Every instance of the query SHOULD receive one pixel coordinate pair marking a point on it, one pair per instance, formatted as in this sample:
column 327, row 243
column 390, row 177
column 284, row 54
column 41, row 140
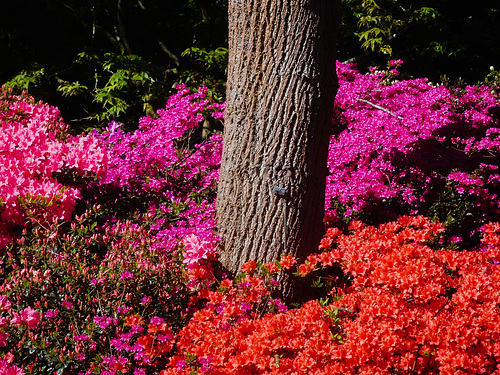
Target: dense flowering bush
column 236, row 336
column 34, row 145
column 94, row 311
column 400, row 307
column 117, row 274
column 410, row 147
column 411, row 308
column 153, row 157
column 159, row 170
column 110, row 285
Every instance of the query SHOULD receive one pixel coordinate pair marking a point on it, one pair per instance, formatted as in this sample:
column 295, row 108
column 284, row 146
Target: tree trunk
column 280, row 94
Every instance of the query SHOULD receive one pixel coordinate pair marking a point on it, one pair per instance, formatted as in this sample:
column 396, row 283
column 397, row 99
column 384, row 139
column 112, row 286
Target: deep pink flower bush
column 410, row 147
column 159, row 171
column 34, row 145
column 152, row 158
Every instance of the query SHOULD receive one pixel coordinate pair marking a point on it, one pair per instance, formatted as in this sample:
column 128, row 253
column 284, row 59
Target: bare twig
column 346, row 310
column 169, row 53
column 380, row 108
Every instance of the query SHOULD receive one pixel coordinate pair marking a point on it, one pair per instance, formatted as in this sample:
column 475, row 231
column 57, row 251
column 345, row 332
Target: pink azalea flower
column 3, row 339
column 4, row 303
column 7, row 369
column 28, row 316
column 196, row 250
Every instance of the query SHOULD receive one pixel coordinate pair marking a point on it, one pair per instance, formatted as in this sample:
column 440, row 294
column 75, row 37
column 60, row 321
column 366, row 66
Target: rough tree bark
column 280, row 92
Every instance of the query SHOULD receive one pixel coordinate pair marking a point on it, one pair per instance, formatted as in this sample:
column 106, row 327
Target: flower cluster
column 117, row 275
column 152, row 157
column 410, row 147
column 411, row 308
column 295, row 342
column 218, row 339
column 402, row 307
column 33, row 147
column 26, row 321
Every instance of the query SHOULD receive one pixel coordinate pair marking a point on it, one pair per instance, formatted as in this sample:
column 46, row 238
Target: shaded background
column 106, row 60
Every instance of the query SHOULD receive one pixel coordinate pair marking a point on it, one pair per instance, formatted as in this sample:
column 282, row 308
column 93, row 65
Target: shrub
column 414, row 148
column 110, row 285
column 34, row 147
column 400, row 307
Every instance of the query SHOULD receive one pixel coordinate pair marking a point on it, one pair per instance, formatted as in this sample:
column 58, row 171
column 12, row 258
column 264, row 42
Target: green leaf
column 72, row 88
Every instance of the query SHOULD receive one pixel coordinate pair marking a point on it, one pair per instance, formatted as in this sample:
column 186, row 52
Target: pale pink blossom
column 196, row 250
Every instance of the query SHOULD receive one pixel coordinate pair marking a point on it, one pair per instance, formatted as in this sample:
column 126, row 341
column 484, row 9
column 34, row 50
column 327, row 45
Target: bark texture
column 281, row 89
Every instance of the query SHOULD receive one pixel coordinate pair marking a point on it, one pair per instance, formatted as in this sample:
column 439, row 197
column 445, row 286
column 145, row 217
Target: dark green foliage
column 117, row 60
column 111, row 60
column 434, row 38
